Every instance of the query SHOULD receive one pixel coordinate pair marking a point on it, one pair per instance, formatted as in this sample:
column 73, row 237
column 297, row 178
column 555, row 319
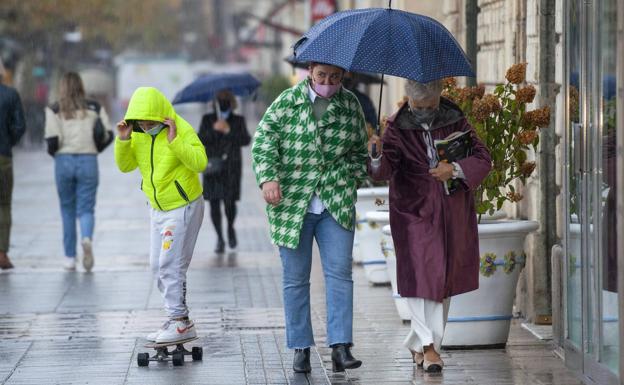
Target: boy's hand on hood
column 172, row 129
column 124, row 129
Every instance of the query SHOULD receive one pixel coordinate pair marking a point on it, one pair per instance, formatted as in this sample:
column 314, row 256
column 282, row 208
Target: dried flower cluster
column 482, row 108
column 516, row 73
column 527, row 168
column 527, row 137
column 514, row 196
column 525, row 94
column 537, row 118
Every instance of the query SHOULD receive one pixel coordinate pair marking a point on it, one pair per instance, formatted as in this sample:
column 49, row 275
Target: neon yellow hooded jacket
column 169, row 170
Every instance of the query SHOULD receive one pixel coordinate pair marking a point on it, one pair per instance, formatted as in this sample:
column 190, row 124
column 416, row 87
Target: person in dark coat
column 435, row 234
column 223, row 133
column 12, row 127
column 350, row 82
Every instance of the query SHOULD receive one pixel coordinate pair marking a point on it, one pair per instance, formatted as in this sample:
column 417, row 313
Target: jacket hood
column 148, row 103
column 448, row 113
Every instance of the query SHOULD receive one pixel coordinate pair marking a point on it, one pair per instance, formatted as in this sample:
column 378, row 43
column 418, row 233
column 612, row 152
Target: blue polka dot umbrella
column 204, row 88
column 386, row 41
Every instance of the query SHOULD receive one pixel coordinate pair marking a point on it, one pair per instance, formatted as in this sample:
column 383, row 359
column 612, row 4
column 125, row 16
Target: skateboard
column 176, row 356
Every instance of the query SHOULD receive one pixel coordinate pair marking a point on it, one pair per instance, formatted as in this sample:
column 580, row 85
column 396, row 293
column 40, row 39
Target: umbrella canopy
column 362, row 77
column 386, row 41
column 204, row 88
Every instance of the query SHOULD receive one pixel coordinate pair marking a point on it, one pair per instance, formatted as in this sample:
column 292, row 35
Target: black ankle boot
column 232, row 238
column 342, row 358
column 301, row 362
column 220, row 246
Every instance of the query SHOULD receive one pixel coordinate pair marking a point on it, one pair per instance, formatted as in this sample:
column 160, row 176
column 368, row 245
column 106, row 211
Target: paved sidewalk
column 76, row 328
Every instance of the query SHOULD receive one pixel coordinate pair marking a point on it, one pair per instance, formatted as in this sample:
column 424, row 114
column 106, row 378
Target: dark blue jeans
column 335, row 245
column 76, row 184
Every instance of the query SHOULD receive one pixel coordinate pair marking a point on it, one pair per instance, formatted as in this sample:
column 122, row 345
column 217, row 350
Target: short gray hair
column 420, row 91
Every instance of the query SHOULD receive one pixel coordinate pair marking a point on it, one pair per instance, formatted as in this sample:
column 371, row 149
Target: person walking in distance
column 69, row 133
column 12, row 127
column 223, row 133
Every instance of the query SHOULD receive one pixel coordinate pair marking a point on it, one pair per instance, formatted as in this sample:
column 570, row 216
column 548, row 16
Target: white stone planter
column 373, row 259
column 366, row 198
column 388, row 248
column 483, row 317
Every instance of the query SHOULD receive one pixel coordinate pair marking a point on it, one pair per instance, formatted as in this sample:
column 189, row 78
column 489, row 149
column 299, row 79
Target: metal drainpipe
column 547, row 238
column 471, row 12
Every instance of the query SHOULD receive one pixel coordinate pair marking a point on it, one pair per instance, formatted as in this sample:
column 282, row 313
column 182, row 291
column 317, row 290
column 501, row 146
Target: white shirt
column 316, row 205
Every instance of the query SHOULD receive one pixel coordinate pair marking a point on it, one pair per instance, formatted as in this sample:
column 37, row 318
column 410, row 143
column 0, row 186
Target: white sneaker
column 152, row 336
column 177, row 331
column 87, row 254
column 69, row 264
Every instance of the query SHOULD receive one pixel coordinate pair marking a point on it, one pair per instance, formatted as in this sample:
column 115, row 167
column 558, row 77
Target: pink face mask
column 326, row 90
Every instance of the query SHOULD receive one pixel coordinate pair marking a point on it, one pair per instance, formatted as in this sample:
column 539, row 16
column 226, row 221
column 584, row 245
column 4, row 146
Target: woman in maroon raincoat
column 435, row 234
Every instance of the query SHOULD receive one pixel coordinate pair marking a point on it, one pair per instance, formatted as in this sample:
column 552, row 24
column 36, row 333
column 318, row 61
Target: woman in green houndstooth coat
column 309, row 156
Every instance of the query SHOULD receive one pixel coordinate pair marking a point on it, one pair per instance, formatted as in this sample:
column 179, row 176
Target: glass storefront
column 591, row 321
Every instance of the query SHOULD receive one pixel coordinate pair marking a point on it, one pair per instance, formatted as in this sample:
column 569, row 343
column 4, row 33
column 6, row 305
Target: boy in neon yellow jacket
column 169, row 156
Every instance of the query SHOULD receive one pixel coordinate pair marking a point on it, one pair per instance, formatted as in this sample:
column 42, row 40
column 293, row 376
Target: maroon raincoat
column 435, row 235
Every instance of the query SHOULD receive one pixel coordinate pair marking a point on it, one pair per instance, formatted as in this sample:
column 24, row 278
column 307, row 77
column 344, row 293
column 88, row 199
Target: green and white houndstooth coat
column 305, row 156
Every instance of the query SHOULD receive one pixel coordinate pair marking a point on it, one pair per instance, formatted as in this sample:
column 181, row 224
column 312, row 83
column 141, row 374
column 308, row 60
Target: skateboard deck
column 155, row 345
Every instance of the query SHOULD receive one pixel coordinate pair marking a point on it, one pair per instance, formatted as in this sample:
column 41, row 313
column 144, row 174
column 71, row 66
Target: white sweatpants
column 428, row 322
column 172, row 241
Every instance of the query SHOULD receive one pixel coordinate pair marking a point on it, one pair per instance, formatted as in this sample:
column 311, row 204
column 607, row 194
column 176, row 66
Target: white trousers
column 428, row 322
column 172, row 241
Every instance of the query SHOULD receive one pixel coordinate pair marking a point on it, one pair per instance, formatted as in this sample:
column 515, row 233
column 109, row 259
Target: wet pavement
column 60, row 327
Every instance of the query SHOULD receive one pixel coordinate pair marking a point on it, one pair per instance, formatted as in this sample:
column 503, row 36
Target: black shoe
column 232, row 238
column 220, row 246
column 301, row 362
column 342, row 358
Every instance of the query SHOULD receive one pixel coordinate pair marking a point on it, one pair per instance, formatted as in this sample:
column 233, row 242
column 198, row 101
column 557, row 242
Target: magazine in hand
column 454, row 147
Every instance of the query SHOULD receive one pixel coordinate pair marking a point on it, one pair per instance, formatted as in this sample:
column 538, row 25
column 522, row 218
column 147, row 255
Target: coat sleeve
column 18, row 124
column 477, row 166
column 265, row 148
column 390, row 156
column 189, row 149
column 356, row 158
column 124, row 155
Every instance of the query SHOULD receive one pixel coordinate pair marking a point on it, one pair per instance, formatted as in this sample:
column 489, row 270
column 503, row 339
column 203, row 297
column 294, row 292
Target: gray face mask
column 424, row 115
column 156, row 129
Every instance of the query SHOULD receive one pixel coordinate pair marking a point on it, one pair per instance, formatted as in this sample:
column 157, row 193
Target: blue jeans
column 76, row 184
column 335, row 245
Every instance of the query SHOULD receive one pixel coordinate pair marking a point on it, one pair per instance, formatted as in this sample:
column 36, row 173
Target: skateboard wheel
column 178, row 359
column 143, row 359
column 197, row 353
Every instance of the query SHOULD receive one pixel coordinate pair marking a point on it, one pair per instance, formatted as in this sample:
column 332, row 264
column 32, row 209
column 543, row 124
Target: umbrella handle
column 374, row 151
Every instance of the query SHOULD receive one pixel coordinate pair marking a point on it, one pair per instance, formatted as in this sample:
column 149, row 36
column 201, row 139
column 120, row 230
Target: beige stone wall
column 507, row 33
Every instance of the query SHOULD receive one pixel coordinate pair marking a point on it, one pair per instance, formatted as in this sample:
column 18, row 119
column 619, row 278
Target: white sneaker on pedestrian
column 69, row 264
column 177, row 331
column 152, row 336
column 87, row 254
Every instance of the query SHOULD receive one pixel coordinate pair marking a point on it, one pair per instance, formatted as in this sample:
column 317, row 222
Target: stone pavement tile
column 11, row 352
column 75, row 361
